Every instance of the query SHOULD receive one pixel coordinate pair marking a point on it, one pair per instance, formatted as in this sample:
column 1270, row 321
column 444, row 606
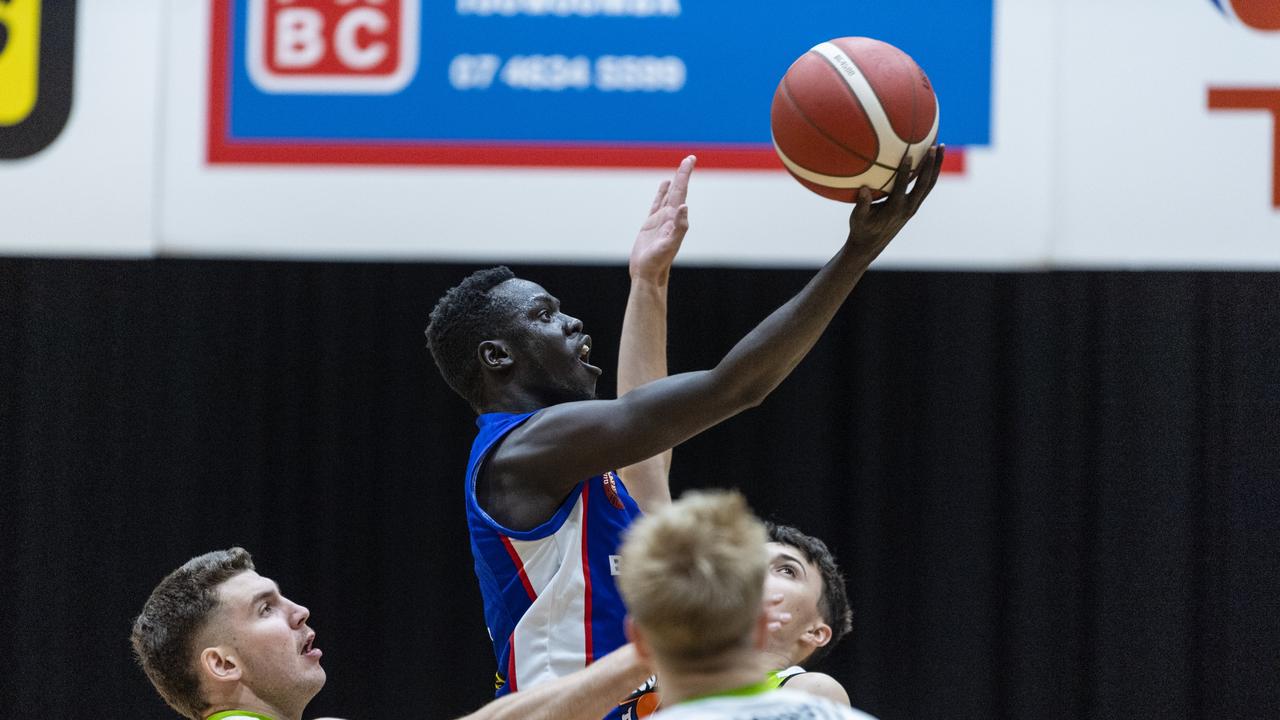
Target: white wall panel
column 91, row 192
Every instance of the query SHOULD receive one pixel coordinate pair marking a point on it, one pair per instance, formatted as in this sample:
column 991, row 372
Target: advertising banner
column 593, row 83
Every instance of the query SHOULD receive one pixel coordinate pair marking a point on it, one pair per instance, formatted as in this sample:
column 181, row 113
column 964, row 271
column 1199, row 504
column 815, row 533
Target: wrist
column 860, row 250
column 653, row 280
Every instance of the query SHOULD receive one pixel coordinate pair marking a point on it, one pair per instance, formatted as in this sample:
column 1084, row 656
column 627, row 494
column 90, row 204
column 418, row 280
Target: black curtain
column 1056, row 495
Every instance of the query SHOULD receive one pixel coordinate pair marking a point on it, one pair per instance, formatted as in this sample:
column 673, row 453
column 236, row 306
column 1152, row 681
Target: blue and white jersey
column 550, row 600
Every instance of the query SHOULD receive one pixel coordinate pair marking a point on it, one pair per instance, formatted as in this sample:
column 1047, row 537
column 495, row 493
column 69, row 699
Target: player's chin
column 586, row 390
column 316, row 676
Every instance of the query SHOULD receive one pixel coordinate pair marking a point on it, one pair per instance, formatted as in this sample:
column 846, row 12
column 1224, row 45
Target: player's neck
column 515, row 399
column 775, row 658
column 248, row 701
column 720, row 675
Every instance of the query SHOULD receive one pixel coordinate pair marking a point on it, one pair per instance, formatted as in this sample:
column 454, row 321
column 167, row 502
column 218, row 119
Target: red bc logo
column 332, row 46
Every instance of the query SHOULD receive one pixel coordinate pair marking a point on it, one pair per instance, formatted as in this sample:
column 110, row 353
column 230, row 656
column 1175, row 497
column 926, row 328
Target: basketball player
column 694, row 581
column 219, row 641
column 545, row 508
column 802, row 572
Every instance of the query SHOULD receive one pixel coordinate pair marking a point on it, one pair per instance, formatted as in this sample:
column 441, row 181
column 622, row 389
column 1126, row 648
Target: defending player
column 545, row 508
column 694, row 580
column 220, row 642
column 804, row 574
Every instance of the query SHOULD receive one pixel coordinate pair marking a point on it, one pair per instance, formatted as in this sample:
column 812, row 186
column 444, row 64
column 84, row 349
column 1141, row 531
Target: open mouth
column 308, row 649
column 584, row 355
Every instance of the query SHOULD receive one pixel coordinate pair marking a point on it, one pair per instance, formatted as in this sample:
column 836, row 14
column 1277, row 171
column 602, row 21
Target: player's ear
column 219, row 664
column 818, row 635
column 494, row 355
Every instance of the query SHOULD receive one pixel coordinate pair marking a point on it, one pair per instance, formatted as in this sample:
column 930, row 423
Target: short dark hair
column 164, row 633
column 461, row 320
column 833, row 605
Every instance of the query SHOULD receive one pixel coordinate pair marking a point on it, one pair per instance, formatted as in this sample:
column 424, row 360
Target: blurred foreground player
column 694, row 584
column 544, row 505
column 219, row 642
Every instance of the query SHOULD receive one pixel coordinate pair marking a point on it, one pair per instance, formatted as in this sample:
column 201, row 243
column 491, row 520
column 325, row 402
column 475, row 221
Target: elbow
column 750, row 395
column 736, row 393
column 753, row 400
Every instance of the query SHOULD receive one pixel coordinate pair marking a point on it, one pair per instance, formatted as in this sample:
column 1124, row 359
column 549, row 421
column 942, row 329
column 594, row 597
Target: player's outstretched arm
column 564, row 443
column 642, row 353
column 588, row 694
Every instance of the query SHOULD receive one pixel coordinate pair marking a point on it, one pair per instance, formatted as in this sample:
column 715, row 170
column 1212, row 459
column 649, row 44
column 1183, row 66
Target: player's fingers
column 898, row 195
column 777, row 619
column 661, row 198
column 682, row 217
column 928, row 176
column 939, row 154
column 680, row 183
column 862, row 211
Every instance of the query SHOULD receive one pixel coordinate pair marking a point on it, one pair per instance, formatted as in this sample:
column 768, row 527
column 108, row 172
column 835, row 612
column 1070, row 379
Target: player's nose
column 572, row 325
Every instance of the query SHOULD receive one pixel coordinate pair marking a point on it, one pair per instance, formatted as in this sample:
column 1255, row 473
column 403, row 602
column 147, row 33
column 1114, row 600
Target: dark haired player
column 221, row 642
column 809, row 587
column 545, row 507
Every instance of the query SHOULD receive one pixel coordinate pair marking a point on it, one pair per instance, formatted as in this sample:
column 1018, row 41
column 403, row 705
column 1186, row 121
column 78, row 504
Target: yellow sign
column 37, row 60
column 19, row 59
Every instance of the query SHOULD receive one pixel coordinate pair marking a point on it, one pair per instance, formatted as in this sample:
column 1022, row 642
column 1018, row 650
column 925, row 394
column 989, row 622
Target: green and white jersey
column 238, row 715
column 760, row 702
column 778, row 678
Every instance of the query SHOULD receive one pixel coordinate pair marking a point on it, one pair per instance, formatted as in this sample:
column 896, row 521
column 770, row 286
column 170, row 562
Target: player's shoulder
column 820, row 706
column 820, row 684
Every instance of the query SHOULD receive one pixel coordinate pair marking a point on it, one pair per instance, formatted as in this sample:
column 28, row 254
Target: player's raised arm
column 642, row 352
column 587, row 694
column 563, row 443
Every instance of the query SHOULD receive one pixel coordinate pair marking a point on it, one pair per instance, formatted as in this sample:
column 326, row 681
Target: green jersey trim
column 759, row 688
column 237, row 714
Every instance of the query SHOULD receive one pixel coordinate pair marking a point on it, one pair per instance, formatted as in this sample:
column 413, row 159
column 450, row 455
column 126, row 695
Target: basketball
column 847, row 112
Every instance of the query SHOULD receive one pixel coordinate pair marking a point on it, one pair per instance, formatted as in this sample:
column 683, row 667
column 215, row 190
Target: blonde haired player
column 694, row 588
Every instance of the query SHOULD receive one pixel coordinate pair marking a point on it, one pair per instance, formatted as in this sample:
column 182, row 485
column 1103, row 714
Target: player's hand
column 776, row 617
column 663, row 231
column 873, row 225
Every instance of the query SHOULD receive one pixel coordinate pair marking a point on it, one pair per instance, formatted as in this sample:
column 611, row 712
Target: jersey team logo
column 332, row 46
column 611, row 489
column 1257, row 14
column 37, row 42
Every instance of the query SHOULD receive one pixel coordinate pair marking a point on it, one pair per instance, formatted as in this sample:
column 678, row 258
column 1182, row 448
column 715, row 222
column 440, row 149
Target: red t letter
column 1255, row 99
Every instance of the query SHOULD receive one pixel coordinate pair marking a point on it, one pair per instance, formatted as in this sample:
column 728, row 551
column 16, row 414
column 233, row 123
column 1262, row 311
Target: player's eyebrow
column 547, row 299
column 788, row 556
column 263, row 595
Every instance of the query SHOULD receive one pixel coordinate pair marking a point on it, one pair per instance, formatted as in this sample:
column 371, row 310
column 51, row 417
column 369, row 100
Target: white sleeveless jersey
column 780, row 704
column 551, row 602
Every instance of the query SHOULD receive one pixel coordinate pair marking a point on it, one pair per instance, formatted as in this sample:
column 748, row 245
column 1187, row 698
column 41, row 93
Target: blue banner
column 575, row 73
